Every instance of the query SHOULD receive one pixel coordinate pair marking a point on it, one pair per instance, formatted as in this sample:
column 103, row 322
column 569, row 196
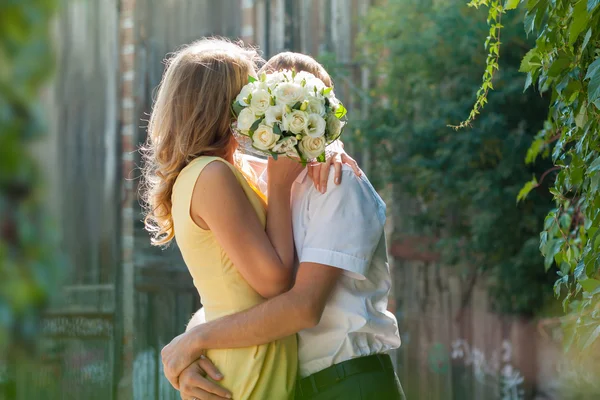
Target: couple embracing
column 294, row 293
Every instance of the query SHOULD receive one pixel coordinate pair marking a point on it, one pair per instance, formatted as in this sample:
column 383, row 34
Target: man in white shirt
column 338, row 304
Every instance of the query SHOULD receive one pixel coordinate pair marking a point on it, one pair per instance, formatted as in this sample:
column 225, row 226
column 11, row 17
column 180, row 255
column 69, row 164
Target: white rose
column 274, row 78
column 289, row 93
column 264, row 138
column 274, row 114
column 312, row 147
column 286, row 146
column 261, row 100
column 302, row 75
column 243, row 96
column 295, row 122
column 316, row 126
column 313, row 83
column 261, row 85
column 334, row 126
column 245, row 120
column 316, row 105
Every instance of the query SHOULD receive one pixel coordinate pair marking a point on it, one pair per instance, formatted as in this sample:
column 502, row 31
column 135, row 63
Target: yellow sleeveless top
column 265, row 372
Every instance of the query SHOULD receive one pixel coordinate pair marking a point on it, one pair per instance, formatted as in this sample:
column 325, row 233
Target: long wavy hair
column 191, row 117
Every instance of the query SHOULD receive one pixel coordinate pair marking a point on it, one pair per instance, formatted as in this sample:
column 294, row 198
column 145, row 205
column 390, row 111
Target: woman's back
column 259, row 372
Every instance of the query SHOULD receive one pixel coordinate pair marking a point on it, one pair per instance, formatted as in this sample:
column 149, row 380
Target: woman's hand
column 319, row 172
column 195, row 385
column 283, row 172
column 176, row 357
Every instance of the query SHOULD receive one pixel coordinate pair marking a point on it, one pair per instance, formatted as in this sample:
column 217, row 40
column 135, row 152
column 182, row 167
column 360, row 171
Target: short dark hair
column 297, row 62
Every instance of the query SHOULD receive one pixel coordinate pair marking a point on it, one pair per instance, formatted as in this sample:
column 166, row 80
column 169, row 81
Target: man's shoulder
column 352, row 189
column 349, row 181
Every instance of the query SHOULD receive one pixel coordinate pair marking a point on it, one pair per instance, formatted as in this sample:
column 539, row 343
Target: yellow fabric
column 260, row 372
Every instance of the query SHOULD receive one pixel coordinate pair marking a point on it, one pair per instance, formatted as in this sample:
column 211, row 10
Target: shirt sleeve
column 345, row 225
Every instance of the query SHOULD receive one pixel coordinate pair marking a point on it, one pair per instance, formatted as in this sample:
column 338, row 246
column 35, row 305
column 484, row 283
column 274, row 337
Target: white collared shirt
column 344, row 228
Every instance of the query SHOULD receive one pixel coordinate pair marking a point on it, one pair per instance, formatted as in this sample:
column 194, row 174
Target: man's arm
column 284, row 315
column 346, row 227
column 300, row 308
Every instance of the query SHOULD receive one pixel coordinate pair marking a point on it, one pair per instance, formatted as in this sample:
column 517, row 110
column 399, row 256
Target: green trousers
column 374, row 385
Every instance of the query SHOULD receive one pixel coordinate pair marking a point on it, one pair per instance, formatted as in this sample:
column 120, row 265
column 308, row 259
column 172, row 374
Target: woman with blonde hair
column 198, row 192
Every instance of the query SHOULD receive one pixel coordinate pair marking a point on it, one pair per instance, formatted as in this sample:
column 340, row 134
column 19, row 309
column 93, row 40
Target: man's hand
column 194, row 384
column 176, row 357
column 319, row 172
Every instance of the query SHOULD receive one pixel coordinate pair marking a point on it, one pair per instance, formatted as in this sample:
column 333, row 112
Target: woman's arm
column 220, row 204
column 281, row 176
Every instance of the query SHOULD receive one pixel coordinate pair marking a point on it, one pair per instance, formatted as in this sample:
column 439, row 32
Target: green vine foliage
column 565, row 63
column 462, row 186
column 29, row 259
column 492, row 43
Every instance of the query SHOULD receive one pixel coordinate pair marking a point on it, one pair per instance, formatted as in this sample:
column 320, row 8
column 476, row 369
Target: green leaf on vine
column 586, row 40
column 552, row 248
column 594, row 166
column 560, row 64
column 528, row 187
column 511, row 4
column 579, row 22
column 593, row 74
column 531, row 61
column 590, row 285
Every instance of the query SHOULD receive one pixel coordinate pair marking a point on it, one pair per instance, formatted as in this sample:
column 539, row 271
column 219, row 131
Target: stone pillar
column 248, row 22
column 128, row 143
column 260, row 25
column 277, row 27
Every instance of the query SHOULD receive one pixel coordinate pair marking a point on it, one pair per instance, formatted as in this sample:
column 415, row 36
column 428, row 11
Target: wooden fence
column 81, row 157
column 104, row 334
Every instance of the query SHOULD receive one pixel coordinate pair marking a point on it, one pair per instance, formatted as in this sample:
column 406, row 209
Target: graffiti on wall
column 495, row 370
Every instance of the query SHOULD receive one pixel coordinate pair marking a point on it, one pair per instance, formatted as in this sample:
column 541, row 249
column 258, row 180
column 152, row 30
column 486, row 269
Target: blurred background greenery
column 86, row 304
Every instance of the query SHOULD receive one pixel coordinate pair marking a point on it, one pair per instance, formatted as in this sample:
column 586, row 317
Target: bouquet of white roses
column 289, row 113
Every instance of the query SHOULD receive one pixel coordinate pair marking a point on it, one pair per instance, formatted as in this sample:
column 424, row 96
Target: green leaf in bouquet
column 326, row 91
column 237, row 108
column 321, row 157
column 297, row 105
column 255, row 126
column 293, row 73
column 334, row 138
column 249, row 98
column 315, row 89
column 341, row 111
column 274, row 155
column 272, row 99
column 251, row 79
column 303, row 83
column 276, row 129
